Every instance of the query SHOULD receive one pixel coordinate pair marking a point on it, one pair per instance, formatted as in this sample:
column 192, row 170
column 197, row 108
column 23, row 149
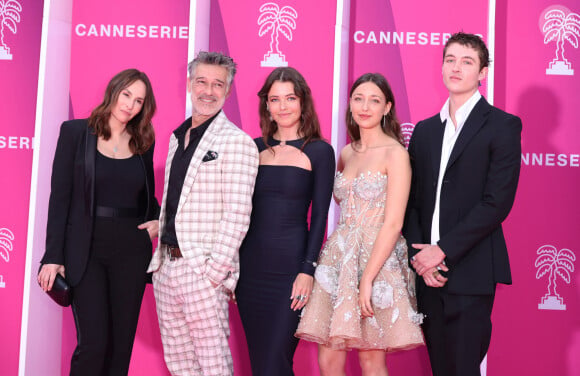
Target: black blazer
column 71, row 205
column 477, row 194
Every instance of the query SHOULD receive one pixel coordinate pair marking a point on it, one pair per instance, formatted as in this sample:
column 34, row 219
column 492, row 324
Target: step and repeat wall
column 536, row 321
column 20, row 33
column 537, row 75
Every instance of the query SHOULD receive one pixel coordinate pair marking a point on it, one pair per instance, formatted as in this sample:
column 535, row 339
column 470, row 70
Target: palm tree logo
column 556, row 264
column 6, row 238
column 9, row 17
column 407, row 131
column 277, row 21
column 560, row 25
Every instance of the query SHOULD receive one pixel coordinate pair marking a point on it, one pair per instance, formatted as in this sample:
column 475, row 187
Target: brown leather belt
column 173, row 252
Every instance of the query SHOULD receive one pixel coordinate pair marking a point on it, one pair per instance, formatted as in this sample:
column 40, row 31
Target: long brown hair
column 309, row 127
column 140, row 127
column 390, row 123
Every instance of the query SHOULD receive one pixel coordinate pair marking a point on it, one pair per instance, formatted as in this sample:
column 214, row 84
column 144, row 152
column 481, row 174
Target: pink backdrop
column 528, row 340
column 406, row 46
column 18, row 77
column 536, row 330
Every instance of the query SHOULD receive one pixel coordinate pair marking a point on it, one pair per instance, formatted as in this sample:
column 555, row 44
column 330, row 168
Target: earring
column 384, row 120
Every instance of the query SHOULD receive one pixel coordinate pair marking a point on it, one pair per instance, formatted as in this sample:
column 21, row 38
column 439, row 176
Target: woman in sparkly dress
column 364, row 294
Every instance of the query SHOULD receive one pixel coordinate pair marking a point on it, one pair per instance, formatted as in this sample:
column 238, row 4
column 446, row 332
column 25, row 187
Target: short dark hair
column 390, row 123
column 213, row 58
column 309, row 127
column 473, row 41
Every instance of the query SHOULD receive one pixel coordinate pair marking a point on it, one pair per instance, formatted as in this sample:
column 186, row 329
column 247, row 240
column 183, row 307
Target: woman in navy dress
column 278, row 256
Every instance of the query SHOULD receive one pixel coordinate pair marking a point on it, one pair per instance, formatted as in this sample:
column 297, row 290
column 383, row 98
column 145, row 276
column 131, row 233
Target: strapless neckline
column 362, row 175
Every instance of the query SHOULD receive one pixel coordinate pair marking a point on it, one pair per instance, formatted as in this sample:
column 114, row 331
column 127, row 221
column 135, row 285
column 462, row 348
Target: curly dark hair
column 140, row 127
column 390, row 123
column 309, row 127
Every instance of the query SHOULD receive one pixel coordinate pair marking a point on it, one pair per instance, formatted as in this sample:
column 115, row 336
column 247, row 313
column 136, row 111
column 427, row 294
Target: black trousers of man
column 457, row 330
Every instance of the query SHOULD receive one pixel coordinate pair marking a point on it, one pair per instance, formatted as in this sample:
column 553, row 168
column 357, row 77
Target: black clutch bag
column 61, row 291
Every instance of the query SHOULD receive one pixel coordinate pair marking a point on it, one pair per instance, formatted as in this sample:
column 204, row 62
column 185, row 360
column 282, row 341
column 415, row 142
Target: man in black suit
column 466, row 164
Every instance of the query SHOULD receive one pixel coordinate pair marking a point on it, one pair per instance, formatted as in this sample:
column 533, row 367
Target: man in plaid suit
column 207, row 201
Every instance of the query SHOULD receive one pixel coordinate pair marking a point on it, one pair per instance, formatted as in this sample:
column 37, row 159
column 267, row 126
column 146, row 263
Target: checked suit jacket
column 214, row 208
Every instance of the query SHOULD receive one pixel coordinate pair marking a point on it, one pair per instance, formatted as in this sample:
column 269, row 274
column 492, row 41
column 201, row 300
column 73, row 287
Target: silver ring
column 439, row 268
column 301, row 297
column 413, row 258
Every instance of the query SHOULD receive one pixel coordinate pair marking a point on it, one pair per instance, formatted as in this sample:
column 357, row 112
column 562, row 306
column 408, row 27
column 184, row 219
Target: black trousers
column 457, row 330
column 107, row 301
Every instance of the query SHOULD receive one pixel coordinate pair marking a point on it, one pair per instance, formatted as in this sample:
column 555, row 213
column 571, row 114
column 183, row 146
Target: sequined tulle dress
column 332, row 317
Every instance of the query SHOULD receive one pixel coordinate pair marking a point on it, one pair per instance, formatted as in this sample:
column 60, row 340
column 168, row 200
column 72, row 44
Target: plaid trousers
column 193, row 319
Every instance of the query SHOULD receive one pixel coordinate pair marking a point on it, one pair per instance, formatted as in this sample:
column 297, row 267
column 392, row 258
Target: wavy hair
column 309, row 127
column 473, row 41
column 140, row 127
column 390, row 123
column 213, row 58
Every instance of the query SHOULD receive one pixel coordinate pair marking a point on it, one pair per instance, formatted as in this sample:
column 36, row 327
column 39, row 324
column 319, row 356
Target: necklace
column 119, row 139
column 283, row 143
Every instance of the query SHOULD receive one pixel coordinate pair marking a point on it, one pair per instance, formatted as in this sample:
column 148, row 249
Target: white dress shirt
column 450, row 136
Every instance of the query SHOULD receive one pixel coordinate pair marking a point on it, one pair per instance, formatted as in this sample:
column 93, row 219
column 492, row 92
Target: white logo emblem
column 6, row 238
column 555, row 264
column 560, row 25
column 407, row 130
column 276, row 21
column 9, row 17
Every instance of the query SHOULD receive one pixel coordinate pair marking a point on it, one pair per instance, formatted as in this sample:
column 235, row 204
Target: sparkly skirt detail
column 332, row 316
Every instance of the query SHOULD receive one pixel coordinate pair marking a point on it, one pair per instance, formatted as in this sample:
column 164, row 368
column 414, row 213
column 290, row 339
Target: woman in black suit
column 102, row 216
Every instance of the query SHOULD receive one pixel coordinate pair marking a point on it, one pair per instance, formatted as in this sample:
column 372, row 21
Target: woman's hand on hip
column 47, row 274
column 152, row 228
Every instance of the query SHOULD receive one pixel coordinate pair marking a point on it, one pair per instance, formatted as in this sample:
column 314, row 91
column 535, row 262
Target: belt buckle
column 170, row 248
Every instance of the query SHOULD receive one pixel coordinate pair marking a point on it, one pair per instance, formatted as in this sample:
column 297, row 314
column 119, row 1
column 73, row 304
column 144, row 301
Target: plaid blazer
column 214, row 208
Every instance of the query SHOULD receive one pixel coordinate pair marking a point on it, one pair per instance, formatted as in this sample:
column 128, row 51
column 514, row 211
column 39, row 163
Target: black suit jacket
column 477, row 193
column 71, row 204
